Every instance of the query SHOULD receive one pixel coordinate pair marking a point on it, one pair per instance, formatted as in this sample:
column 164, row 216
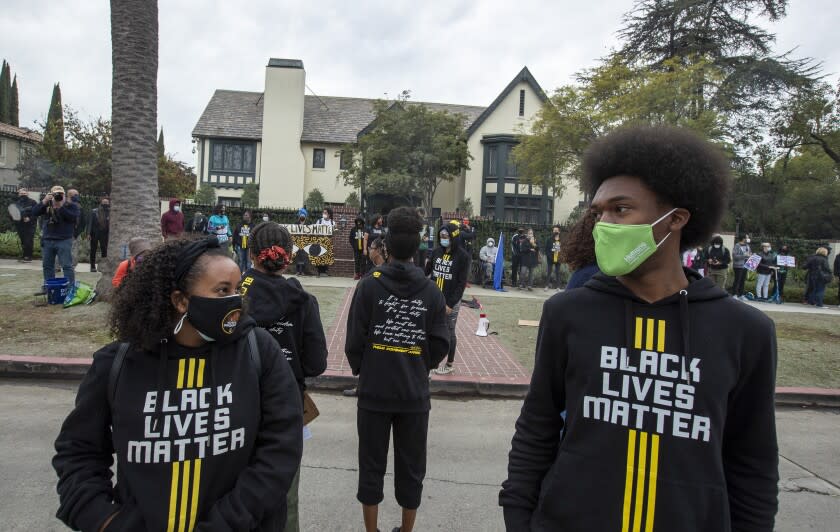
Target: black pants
column 101, row 242
column 553, row 272
column 410, row 432
column 359, row 262
column 782, row 279
column 515, row 262
column 26, row 232
column 740, row 279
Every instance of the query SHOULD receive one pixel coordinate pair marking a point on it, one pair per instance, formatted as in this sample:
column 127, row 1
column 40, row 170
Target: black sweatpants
column 359, row 262
column 26, row 232
column 102, row 243
column 515, row 262
column 410, row 432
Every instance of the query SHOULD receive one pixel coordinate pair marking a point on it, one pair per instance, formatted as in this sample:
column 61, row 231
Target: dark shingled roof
column 326, row 119
column 232, row 114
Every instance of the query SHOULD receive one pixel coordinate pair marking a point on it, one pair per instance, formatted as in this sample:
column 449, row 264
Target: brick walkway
column 477, row 359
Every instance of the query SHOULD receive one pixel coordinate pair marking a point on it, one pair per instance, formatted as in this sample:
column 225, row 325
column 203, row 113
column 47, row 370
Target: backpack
column 119, row 358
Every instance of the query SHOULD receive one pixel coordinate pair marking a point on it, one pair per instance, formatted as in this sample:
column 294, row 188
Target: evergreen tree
column 54, row 132
column 14, row 105
column 5, row 92
column 160, row 145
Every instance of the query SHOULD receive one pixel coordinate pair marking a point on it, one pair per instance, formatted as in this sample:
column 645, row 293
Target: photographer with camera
column 62, row 215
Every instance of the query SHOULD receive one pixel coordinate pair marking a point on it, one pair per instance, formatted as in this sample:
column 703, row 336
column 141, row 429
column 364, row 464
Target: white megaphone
column 483, row 325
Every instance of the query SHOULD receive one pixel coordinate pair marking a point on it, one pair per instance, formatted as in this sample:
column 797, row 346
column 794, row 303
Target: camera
column 58, row 197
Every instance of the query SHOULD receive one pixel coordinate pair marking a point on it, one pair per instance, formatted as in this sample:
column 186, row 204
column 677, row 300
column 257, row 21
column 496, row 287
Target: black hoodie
column 218, row 452
column 449, row 268
column 292, row 316
column 396, row 333
column 670, row 415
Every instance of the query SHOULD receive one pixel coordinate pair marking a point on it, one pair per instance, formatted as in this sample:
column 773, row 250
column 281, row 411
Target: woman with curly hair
column 198, row 405
column 578, row 251
column 283, row 308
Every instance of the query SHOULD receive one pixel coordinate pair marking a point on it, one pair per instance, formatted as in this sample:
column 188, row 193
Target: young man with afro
column 668, row 384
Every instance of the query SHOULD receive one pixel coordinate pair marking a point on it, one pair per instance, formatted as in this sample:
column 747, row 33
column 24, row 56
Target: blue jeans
column 817, row 294
column 63, row 249
column 244, row 258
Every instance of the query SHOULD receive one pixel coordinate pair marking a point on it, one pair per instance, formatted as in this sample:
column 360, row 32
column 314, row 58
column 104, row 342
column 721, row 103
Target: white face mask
column 265, row 218
column 176, row 208
column 717, row 246
column 747, row 241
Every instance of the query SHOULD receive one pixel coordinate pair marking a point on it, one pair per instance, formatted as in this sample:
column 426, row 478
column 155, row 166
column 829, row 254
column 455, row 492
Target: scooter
column 775, row 298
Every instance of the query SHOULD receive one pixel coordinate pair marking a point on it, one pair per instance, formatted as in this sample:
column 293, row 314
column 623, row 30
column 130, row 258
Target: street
column 468, row 444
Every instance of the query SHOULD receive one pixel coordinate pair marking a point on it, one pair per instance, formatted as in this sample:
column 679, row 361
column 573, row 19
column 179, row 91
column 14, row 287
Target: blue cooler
column 56, row 290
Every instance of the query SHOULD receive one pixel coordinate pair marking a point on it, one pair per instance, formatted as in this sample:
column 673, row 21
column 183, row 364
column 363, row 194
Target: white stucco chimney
column 282, row 169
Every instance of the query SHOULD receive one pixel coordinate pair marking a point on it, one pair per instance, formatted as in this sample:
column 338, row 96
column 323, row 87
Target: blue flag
column 499, row 268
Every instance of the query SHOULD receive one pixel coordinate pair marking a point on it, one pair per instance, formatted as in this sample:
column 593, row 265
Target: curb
column 35, row 367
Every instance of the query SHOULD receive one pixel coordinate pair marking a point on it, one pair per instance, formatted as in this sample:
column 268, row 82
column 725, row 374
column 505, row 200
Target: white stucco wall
column 9, row 159
column 282, row 171
column 505, row 119
column 325, row 179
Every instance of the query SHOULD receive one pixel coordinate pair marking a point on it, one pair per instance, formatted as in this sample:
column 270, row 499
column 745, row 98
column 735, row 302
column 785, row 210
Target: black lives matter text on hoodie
column 202, row 441
column 669, row 415
column 291, row 315
column 396, row 332
column 449, row 268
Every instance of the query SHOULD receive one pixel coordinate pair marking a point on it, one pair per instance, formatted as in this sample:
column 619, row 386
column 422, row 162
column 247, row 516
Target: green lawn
column 809, row 344
column 77, row 331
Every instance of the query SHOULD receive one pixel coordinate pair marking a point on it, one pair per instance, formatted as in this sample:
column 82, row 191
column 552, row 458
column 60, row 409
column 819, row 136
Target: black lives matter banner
column 315, row 240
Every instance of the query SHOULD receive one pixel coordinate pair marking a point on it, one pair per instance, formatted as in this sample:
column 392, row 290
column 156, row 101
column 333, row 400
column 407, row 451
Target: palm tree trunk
column 135, row 206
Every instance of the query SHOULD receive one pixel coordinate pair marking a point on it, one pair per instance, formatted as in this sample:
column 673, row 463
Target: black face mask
column 215, row 318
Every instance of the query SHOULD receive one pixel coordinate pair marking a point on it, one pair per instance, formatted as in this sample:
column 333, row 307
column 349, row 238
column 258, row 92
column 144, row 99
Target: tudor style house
column 290, row 143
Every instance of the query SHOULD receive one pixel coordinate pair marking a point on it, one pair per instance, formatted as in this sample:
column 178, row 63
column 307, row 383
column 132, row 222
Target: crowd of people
column 202, row 397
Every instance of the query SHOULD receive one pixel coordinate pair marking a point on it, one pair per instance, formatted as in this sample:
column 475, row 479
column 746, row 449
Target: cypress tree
column 55, row 119
column 14, row 105
column 5, row 90
column 160, row 146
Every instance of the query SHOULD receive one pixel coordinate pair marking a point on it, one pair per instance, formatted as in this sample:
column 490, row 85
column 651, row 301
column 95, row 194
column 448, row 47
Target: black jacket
column 468, row 238
column 528, row 252
column 291, row 315
column 720, row 254
column 448, row 270
column 242, row 236
column 396, row 332
column 669, row 415
column 552, row 250
column 356, row 237
column 819, row 273
column 59, row 224
column 199, row 437
column 25, row 204
column 767, row 260
column 96, row 229
column 837, row 265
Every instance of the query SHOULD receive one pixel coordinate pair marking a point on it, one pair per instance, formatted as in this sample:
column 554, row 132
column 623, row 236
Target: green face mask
column 621, row 248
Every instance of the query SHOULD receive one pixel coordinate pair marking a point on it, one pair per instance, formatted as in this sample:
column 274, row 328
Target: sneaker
column 352, row 392
column 444, row 370
column 545, row 289
column 27, row 261
column 356, row 277
column 530, row 289
column 93, row 269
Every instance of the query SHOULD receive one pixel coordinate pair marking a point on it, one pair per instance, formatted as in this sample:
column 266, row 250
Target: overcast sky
column 450, row 51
